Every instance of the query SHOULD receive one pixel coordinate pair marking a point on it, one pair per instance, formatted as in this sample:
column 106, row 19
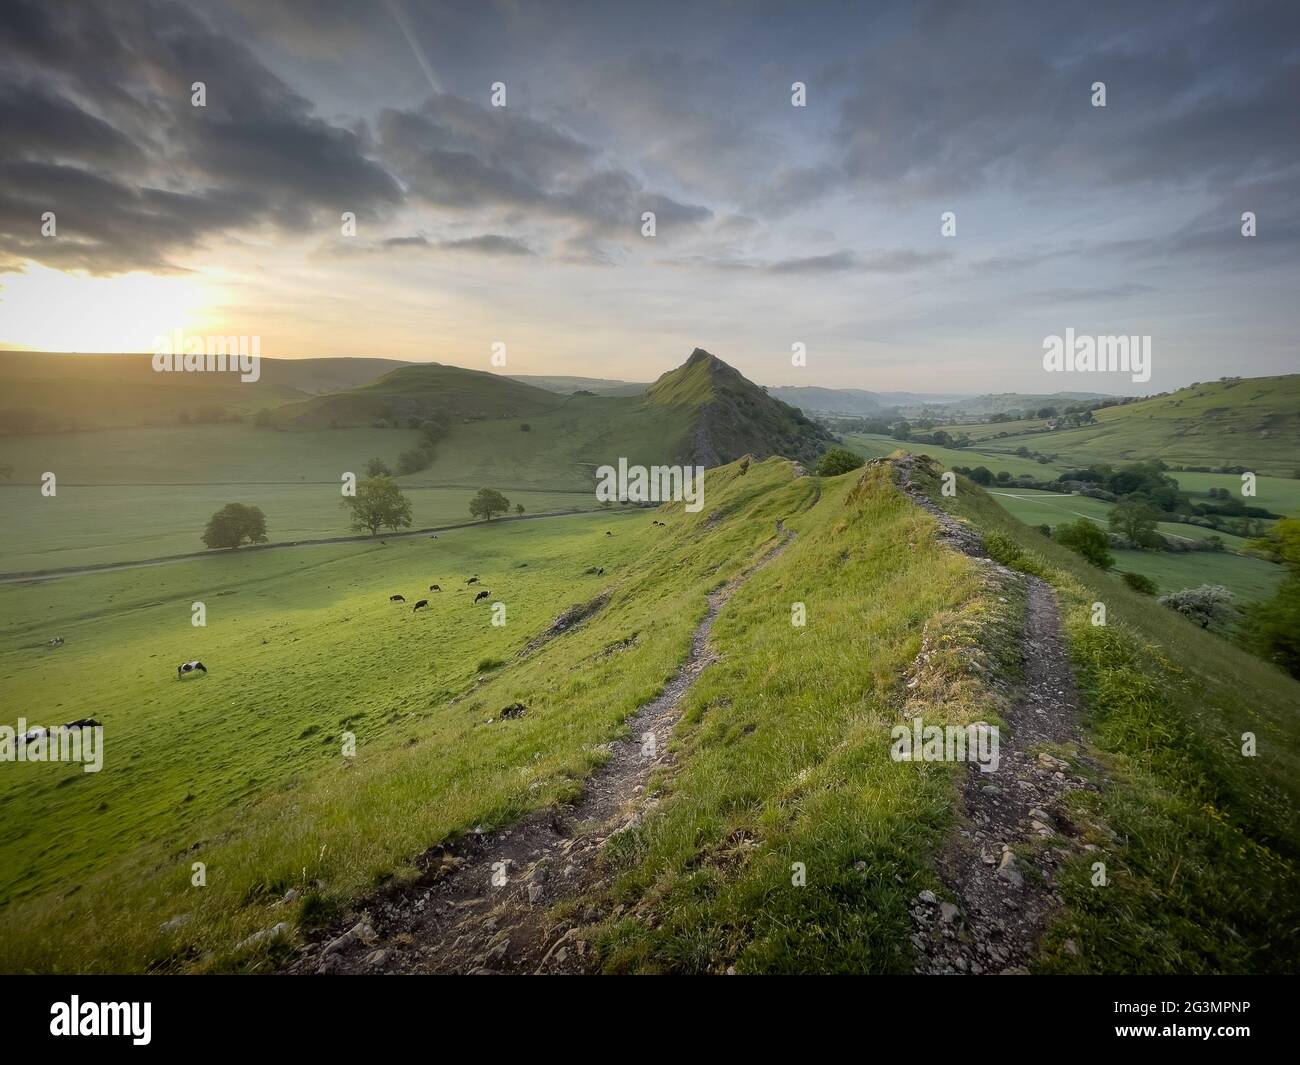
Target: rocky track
column 999, row 868
column 484, row 906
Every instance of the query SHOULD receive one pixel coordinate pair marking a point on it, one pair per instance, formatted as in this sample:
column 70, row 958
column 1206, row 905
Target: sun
column 49, row 310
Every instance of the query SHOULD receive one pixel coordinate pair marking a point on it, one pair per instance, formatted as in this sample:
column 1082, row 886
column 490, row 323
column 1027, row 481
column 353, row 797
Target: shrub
column 1207, row 605
column 1087, row 539
column 1140, row 583
column 838, row 460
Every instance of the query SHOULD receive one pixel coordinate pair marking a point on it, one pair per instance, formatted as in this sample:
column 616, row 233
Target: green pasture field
column 130, row 494
column 873, row 446
column 1250, row 579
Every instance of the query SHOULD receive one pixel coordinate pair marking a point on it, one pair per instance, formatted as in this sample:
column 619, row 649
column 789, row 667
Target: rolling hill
column 568, row 385
column 43, row 392
column 1249, row 422
column 416, row 393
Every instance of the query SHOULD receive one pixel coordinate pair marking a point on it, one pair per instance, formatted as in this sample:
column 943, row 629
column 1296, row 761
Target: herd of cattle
column 195, row 666
column 484, row 594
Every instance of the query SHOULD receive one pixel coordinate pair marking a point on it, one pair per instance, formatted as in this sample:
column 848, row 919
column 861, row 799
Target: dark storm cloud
column 909, row 105
column 92, row 91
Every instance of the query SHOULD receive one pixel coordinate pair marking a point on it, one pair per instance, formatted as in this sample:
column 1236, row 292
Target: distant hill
column 418, row 392
column 856, row 401
column 57, row 391
column 811, row 399
column 997, row 402
column 732, row 415
column 568, row 385
column 1251, row 422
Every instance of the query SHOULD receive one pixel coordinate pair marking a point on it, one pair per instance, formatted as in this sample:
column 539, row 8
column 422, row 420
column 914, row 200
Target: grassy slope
column 784, row 743
column 1253, row 423
column 562, row 448
column 1203, row 869
column 784, row 757
column 270, row 797
column 419, row 392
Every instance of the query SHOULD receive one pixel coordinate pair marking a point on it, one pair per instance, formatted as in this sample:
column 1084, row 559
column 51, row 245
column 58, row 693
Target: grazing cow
column 608, row 533
column 482, row 595
column 422, row 602
column 85, row 722
column 472, row 580
column 397, row 599
column 185, row 668
column 56, row 641
column 434, row 588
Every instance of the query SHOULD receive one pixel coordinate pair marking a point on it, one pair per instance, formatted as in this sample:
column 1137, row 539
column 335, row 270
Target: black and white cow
column 397, row 599
column 422, row 602
column 482, row 595
column 186, row 668
column 434, row 588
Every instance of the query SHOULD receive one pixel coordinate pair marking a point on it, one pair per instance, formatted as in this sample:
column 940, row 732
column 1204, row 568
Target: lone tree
column 519, row 508
column 488, row 502
column 378, row 503
column 235, row 524
column 1136, row 521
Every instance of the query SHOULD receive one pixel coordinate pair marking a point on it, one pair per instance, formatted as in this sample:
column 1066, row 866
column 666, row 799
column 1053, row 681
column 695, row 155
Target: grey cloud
column 457, row 154
column 1101, row 294
column 484, row 244
column 91, row 91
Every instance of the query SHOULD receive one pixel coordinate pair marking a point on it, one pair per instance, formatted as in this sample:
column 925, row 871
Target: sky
column 775, row 224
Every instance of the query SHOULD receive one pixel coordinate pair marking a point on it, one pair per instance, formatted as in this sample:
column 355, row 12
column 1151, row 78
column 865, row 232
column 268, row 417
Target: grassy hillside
column 413, row 394
column 782, row 755
column 1250, row 422
column 1202, row 867
column 563, row 446
column 568, row 385
column 732, row 415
